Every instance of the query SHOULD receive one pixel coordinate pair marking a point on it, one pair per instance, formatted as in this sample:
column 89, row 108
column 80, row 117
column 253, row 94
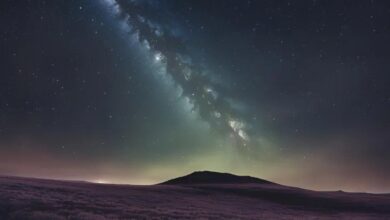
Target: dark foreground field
column 23, row 198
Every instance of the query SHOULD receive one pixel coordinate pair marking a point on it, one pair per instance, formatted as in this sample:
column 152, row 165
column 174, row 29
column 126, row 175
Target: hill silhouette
column 209, row 177
column 200, row 195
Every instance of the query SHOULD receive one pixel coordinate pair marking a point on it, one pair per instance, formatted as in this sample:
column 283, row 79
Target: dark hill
column 208, row 177
column 37, row 199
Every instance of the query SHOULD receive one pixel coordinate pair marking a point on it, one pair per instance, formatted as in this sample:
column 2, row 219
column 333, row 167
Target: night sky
column 140, row 91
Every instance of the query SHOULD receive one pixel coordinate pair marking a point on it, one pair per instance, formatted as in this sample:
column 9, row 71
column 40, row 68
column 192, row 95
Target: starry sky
column 140, row 91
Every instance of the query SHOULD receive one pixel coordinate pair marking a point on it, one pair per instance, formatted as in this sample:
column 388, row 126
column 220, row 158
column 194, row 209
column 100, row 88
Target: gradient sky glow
column 137, row 92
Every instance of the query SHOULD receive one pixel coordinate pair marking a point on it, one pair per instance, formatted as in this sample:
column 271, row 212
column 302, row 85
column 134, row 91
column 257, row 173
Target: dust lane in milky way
column 169, row 52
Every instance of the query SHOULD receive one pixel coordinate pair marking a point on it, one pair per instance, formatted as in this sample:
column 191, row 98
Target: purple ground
column 23, row 198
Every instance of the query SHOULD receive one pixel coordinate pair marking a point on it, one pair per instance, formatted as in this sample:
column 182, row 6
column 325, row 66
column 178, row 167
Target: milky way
column 192, row 79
